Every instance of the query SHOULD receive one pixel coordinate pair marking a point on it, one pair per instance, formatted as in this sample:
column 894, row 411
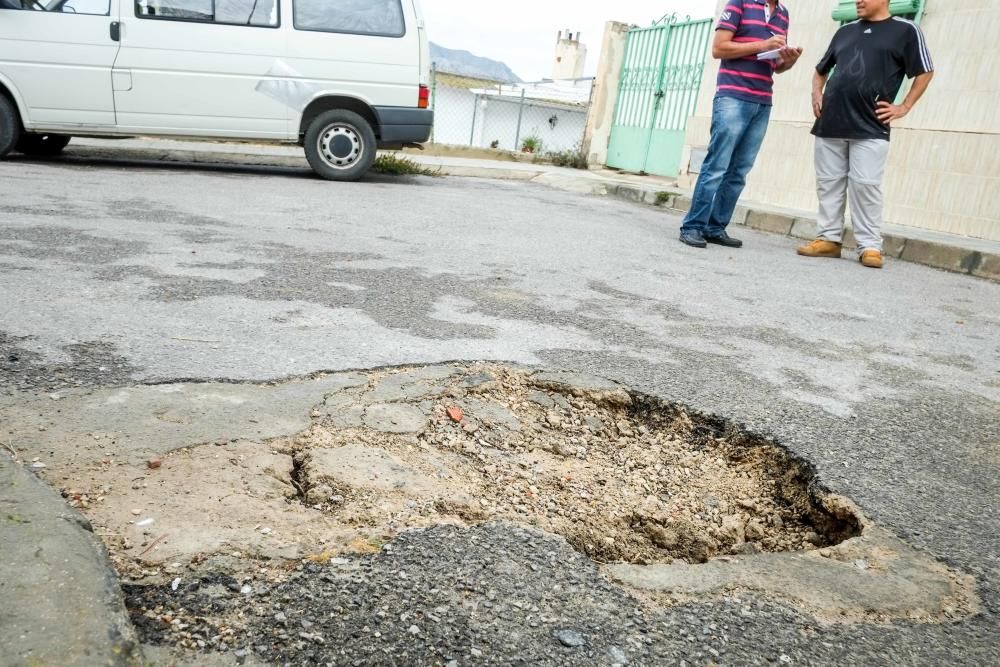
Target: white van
column 339, row 77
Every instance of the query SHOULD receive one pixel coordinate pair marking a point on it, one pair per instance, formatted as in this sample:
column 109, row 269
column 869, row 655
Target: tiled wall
column 944, row 167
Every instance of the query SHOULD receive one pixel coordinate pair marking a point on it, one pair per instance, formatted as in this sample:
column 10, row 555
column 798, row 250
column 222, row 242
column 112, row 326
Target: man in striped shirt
column 751, row 42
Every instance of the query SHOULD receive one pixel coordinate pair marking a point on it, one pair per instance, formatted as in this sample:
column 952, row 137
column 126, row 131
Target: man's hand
column 817, row 103
column 776, row 42
column 887, row 113
column 787, row 58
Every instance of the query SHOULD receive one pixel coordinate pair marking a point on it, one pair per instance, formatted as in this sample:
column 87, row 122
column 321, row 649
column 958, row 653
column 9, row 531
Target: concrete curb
column 933, row 253
column 61, row 596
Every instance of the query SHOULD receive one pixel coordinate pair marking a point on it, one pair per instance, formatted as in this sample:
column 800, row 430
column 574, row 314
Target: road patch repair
column 220, row 503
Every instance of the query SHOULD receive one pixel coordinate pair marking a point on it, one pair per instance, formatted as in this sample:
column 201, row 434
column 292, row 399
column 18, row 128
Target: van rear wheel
column 42, row 144
column 10, row 126
column 340, row 145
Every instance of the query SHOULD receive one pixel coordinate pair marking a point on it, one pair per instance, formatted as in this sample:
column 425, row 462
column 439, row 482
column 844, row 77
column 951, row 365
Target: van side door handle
column 116, row 31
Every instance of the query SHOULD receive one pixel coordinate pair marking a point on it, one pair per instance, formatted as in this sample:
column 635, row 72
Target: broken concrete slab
column 600, row 390
column 411, row 384
column 136, row 423
column 358, row 466
column 395, row 418
column 874, row 577
column 61, row 600
column 344, row 411
column 492, row 413
column 238, row 497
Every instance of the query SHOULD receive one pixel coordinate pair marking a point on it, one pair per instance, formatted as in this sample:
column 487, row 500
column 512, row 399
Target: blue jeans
column 738, row 130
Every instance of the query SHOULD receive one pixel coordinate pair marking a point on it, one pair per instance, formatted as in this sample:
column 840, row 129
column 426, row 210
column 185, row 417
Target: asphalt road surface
column 116, row 274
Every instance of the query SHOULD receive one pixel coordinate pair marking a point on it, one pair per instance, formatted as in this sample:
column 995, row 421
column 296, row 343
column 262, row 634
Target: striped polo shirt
column 750, row 79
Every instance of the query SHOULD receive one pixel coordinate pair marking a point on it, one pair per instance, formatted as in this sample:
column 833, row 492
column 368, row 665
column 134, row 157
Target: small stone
column 617, row 655
column 553, row 419
column 542, row 399
column 479, row 382
column 136, row 512
column 755, row 530
column 571, row 638
column 414, row 630
column 280, row 617
column 470, row 428
column 455, row 414
column 154, row 463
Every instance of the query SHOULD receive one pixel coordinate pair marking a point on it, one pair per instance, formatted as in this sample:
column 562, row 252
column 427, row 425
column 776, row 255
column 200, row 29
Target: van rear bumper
column 402, row 125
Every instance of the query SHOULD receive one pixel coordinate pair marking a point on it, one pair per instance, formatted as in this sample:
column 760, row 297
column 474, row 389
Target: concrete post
column 520, row 118
column 605, row 94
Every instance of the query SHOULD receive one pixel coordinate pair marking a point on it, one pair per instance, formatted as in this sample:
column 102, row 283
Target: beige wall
column 605, row 93
column 944, row 167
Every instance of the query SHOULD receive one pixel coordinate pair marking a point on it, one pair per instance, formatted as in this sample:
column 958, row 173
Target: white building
column 571, row 56
column 483, row 114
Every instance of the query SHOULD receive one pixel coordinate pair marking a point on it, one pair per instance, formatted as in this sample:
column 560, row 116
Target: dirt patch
column 624, row 478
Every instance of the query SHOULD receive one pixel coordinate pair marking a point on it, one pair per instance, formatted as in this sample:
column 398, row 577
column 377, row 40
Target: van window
column 91, row 7
column 382, row 18
column 255, row 13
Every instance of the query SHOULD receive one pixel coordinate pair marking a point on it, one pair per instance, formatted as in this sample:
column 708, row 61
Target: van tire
column 42, row 144
column 10, row 126
column 340, row 145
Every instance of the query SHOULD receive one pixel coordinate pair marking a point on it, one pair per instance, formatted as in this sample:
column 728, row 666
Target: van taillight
column 425, row 97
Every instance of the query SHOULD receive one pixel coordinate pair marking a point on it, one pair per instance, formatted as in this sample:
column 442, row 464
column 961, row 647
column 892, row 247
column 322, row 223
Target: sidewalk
column 935, row 249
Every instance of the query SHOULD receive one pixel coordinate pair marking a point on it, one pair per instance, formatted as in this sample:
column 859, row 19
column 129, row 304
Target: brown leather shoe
column 872, row 259
column 821, row 248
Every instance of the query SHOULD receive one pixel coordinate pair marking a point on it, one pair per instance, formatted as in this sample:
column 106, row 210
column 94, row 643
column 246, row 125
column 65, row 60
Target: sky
column 522, row 33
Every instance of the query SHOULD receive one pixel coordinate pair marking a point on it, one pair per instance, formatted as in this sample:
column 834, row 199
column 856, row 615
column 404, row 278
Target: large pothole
column 672, row 504
column 623, row 477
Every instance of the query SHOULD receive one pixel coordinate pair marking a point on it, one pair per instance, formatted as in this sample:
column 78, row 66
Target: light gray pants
column 851, row 168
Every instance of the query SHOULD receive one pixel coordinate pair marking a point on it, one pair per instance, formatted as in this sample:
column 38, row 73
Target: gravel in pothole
column 623, row 478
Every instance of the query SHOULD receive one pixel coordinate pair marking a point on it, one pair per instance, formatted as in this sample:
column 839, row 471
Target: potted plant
column 531, row 145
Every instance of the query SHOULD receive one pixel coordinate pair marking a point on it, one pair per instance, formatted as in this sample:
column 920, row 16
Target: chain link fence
column 545, row 118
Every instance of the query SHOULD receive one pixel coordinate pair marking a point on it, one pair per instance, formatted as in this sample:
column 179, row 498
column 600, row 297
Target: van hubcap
column 341, row 146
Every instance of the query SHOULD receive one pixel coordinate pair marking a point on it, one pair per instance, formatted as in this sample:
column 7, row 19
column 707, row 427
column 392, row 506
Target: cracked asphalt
column 888, row 382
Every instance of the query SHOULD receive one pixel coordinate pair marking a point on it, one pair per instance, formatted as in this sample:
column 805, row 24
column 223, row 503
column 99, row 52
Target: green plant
column 531, row 145
column 663, row 197
column 396, row 165
column 575, row 159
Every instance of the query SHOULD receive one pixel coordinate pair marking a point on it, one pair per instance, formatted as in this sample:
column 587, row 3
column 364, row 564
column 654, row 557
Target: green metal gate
column 658, row 90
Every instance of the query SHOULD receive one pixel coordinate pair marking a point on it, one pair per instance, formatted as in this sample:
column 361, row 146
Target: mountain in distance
column 464, row 63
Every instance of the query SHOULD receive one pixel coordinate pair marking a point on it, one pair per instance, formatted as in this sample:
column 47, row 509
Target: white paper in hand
column 769, row 55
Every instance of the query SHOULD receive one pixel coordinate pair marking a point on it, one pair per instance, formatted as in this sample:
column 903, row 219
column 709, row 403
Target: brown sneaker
column 821, row 248
column 872, row 259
